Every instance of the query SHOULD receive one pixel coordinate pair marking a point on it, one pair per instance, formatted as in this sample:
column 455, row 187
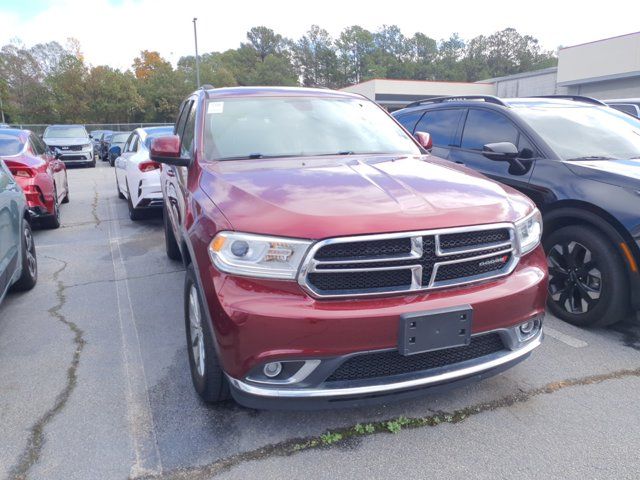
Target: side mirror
column 167, row 150
column 90, row 136
column 115, row 152
column 500, row 151
column 424, row 139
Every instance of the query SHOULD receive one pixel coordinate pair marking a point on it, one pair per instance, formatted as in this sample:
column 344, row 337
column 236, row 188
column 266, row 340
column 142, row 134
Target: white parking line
column 564, row 338
column 147, row 455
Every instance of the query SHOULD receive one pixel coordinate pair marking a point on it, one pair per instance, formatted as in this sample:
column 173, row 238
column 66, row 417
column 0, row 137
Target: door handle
column 459, row 162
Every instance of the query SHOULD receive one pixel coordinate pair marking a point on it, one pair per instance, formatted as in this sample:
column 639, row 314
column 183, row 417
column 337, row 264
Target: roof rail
column 205, row 88
column 575, row 98
column 455, row 98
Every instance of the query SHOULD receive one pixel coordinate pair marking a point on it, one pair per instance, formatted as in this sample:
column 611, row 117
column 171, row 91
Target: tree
column 355, row 46
column 316, row 60
column 265, row 41
column 113, row 96
column 147, row 63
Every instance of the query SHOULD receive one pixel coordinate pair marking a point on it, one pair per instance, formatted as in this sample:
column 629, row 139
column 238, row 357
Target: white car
column 138, row 177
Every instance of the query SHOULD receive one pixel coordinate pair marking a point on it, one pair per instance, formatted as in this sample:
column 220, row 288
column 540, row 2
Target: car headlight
column 87, row 146
column 257, row 255
column 529, row 231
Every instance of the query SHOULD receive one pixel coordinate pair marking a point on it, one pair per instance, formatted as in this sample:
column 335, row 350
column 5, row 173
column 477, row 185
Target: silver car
column 71, row 144
column 18, row 264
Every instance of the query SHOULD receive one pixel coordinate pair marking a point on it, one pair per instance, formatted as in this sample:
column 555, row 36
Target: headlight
column 257, row 255
column 529, row 231
column 87, row 146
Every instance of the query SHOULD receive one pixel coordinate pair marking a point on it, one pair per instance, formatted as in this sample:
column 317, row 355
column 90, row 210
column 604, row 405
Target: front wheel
column 588, row 284
column 206, row 373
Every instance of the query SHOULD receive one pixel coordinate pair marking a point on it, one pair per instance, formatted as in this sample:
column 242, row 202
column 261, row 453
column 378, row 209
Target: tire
column 588, row 283
column 53, row 221
column 93, row 164
column 66, row 197
column 134, row 213
column 207, row 375
column 171, row 245
column 120, row 195
column 29, row 275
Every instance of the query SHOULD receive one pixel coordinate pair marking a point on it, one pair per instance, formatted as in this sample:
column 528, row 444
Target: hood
column 322, row 197
column 61, row 142
column 623, row 173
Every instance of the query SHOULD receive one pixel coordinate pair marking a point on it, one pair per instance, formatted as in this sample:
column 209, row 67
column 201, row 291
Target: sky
column 113, row 32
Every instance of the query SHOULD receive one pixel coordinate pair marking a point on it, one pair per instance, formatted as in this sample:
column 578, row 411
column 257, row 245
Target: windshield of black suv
column 65, row 131
column 583, row 132
column 10, row 144
column 264, row 127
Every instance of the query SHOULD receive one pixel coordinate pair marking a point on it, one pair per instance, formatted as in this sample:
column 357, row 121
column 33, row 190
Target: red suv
column 331, row 260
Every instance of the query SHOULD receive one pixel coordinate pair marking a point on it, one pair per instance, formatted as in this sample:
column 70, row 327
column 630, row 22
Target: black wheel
column 207, row 374
column 120, row 195
column 53, row 221
column 588, row 284
column 111, row 160
column 134, row 213
column 171, row 245
column 29, row 275
column 93, row 164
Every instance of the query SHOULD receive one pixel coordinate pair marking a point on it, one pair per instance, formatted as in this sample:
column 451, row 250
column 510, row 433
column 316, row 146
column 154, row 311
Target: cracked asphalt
column 94, row 383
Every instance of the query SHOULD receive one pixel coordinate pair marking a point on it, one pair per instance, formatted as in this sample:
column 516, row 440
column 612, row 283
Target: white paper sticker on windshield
column 215, row 107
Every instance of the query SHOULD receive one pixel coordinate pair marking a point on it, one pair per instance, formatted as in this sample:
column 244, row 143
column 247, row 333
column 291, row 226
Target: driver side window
column 485, row 126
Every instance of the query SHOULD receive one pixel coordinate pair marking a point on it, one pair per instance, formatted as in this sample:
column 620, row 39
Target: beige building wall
column 600, row 60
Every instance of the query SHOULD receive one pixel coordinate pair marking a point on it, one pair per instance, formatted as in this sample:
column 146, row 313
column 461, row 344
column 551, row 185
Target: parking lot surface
column 94, row 383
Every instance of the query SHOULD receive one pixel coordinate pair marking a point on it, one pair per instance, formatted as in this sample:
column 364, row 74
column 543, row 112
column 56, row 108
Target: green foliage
column 52, row 83
column 330, row 437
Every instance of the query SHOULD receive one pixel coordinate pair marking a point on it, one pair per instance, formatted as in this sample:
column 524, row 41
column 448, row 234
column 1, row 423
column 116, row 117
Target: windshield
column 63, row 131
column 253, row 127
column 120, row 137
column 590, row 133
column 10, row 144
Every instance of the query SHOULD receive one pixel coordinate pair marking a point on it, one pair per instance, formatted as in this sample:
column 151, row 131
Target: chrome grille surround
column 441, row 257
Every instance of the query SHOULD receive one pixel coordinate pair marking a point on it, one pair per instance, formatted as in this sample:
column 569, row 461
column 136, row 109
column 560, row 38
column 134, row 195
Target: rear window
column 10, row 144
column 120, row 137
column 442, row 125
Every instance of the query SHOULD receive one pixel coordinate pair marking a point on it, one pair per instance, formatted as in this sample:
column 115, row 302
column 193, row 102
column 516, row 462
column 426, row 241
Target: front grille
column 69, row 148
column 73, row 157
column 418, row 261
column 389, row 363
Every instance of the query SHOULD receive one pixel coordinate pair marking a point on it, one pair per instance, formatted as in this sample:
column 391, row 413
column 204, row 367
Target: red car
column 42, row 177
column 331, row 260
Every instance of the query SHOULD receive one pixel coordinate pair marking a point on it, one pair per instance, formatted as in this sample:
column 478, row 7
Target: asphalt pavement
column 94, row 384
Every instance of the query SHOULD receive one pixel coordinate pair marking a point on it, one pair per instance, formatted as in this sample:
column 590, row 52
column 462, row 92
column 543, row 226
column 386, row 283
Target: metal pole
column 195, row 37
column 1, row 108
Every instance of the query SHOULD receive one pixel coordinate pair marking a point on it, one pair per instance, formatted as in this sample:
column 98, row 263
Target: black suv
column 579, row 160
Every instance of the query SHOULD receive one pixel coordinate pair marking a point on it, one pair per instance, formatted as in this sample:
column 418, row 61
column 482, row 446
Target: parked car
column 42, row 176
column 626, row 105
column 578, row 160
column 117, row 140
column 18, row 264
column 103, row 148
column 138, row 177
column 330, row 261
column 96, row 137
column 72, row 142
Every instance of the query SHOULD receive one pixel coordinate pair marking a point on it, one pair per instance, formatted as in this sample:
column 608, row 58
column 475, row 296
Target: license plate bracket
column 435, row 330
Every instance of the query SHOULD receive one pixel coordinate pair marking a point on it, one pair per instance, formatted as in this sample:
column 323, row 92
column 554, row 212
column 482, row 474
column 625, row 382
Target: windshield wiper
column 592, row 157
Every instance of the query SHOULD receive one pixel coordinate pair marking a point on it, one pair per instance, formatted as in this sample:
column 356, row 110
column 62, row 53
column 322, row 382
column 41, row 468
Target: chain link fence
column 39, row 128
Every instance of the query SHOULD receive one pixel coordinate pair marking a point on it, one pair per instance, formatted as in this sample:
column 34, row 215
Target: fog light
column 527, row 327
column 272, row 369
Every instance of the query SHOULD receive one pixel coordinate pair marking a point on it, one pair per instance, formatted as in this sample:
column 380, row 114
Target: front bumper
column 80, row 157
column 339, row 394
column 258, row 321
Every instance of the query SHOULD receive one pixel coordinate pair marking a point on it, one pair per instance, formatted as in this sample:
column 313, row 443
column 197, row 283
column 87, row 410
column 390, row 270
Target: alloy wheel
column 195, row 330
column 32, row 265
column 575, row 278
